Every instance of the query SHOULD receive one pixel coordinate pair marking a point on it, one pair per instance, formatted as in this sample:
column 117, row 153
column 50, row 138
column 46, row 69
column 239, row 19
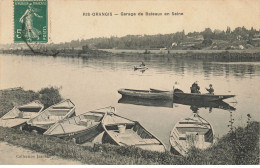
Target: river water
column 93, row 82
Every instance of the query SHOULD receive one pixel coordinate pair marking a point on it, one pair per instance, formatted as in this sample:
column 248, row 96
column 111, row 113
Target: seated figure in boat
column 195, row 88
column 210, row 89
column 142, row 64
column 176, row 87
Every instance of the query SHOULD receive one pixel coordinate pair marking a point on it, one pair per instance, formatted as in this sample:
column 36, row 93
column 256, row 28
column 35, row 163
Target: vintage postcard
column 129, row 82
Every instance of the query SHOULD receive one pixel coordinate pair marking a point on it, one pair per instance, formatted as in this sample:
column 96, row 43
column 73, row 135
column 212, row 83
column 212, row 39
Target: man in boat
column 210, row 89
column 195, row 88
column 176, row 87
column 142, row 64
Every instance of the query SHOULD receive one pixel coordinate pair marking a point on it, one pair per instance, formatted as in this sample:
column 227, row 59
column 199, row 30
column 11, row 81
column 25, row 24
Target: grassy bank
column 15, row 97
column 238, row 147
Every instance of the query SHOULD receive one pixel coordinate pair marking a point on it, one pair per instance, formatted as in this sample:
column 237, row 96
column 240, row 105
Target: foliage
column 163, row 40
column 50, row 96
column 10, row 98
column 238, row 147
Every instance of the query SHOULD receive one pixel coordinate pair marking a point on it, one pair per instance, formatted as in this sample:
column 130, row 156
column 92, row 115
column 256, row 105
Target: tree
column 207, row 33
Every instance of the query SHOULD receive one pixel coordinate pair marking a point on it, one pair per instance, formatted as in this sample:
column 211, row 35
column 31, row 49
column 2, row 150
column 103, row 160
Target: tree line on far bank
column 239, row 38
column 168, row 41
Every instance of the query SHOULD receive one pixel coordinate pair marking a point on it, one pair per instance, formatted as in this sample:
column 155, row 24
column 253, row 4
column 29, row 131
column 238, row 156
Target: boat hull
column 191, row 132
column 133, row 135
column 83, row 136
column 81, row 128
column 41, row 127
column 140, row 68
column 43, row 121
column 146, row 102
column 19, row 115
column 201, row 97
column 146, row 94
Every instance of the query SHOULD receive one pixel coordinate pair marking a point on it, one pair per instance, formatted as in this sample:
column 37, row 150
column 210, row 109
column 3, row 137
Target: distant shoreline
column 253, row 54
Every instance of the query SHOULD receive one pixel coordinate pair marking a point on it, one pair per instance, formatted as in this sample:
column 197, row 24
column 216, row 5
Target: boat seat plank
column 193, row 126
column 59, row 110
column 68, row 128
column 131, row 138
column 9, row 117
column 183, row 130
column 62, row 107
column 194, row 122
column 116, row 121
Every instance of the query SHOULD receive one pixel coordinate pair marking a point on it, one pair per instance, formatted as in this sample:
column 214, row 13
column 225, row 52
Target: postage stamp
column 30, row 21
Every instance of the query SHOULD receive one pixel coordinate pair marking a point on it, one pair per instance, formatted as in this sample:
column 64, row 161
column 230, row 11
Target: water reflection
column 93, row 82
column 140, row 70
column 203, row 104
column 194, row 105
column 171, row 65
column 146, row 102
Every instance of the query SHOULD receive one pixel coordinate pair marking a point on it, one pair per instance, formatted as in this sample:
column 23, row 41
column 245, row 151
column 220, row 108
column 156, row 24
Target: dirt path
column 13, row 155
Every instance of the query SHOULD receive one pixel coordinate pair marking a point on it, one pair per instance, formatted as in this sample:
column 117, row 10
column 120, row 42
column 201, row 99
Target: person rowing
column 142, row 64
column 210, row 89
column 195, row 88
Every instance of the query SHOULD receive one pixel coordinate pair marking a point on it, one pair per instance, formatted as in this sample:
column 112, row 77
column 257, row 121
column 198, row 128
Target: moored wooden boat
column 147, row 94
column 82, row 128
column 201, row 97
column 192, row 131
column 19, row 115
column 140, row 68
column 124, row 132
column 48, row 117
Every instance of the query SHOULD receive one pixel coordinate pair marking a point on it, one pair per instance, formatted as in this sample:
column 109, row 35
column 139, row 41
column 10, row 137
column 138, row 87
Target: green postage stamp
column 30, row 21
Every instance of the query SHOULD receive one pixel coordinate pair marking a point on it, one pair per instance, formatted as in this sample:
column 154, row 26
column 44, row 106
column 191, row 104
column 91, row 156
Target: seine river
column 92, row 83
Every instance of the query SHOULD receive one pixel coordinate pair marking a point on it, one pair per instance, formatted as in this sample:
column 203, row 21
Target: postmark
column 30, row 21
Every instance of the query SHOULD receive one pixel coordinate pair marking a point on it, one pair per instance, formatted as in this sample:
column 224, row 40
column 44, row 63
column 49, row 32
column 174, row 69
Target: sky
column 66, row 20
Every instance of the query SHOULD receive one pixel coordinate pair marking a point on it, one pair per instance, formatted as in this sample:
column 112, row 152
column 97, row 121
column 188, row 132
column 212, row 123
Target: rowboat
column 201, row 97
column 140, row 68
column 190, row 132
column 205, row 104
column 147, row 94
column 19, row 115
column 82, row 128
column 48, row 117
column 146, row 102
column 124, row 132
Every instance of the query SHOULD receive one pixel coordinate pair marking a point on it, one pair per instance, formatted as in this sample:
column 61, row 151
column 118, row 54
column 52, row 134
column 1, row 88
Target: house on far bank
column 164, row 48
column 195, row 38
column 256, row 40
column 241, row 47
column 174, row 44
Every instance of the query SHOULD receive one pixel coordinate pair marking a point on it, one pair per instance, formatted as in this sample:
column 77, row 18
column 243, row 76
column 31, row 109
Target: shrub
column 49, row 96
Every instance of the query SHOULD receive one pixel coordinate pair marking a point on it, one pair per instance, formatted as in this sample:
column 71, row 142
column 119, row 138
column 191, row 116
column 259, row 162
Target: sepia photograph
column 131, row 82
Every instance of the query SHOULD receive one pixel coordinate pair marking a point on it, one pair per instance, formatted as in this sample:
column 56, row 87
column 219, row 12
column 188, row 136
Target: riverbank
column 238, row 147
column 250, row 54
column 18, row 96
column 15, row 155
